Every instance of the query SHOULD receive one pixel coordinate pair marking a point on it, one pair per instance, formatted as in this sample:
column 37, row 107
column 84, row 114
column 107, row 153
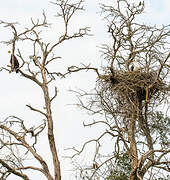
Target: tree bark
column 56, row 163
column 133, row 147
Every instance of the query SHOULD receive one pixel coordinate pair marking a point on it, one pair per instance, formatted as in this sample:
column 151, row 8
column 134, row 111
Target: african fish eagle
column 14, row 63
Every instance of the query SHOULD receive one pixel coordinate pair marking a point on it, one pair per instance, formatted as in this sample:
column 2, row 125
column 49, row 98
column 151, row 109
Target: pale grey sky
column 16, row 92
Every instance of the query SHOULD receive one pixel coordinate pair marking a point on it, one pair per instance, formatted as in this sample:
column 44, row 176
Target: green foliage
column 160, row 125
column 121, row 169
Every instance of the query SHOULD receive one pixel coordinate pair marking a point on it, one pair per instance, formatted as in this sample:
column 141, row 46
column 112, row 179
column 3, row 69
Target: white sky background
column 16, row 92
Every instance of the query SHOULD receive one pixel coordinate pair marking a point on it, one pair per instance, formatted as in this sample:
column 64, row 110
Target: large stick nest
column 132, row 87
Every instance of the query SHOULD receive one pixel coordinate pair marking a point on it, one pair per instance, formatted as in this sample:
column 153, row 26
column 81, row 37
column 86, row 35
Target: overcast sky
column 16, row 92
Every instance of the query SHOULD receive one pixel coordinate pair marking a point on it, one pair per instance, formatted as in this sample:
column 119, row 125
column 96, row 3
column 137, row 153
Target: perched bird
column 132, row 67
column 135, row 66
column 14, row 63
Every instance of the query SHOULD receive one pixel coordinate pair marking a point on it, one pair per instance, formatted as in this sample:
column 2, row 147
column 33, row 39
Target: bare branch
column 72, row 69
column 11, row 170
column 37, row 110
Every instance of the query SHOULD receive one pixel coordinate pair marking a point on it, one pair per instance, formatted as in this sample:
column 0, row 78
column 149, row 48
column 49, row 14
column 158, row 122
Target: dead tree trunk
column 56, row 163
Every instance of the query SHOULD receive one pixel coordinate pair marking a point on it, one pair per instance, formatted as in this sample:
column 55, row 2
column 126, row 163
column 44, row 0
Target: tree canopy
column 125, row 103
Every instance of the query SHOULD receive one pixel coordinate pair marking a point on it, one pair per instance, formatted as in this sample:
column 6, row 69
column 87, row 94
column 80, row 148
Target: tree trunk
column 51, row 139
column 133, row 148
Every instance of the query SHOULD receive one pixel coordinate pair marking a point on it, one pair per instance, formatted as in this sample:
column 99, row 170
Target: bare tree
column 17, row 141
column 129, row 100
